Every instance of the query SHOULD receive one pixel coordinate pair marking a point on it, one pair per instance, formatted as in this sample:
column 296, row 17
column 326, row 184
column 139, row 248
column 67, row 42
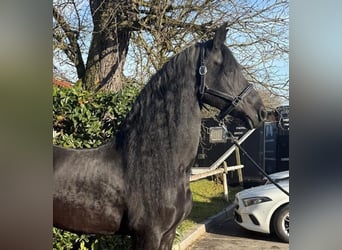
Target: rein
column 233, row 102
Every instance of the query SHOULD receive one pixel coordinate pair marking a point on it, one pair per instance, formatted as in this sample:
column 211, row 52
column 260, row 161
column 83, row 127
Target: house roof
column 61, row 83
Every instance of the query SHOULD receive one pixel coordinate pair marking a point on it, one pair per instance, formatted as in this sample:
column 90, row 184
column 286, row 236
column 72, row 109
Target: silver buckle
column 202, row 70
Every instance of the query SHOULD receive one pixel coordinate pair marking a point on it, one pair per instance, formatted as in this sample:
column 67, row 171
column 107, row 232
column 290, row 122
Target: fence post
column 225, row 184
column 238, row 162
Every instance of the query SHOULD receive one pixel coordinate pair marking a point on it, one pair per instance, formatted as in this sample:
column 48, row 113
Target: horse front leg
column 147, row 240
column 168, row 237
column 167, row 240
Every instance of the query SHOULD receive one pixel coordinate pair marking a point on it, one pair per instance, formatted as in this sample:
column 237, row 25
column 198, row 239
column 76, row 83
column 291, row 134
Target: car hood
column 278, row 176
column 269, row 190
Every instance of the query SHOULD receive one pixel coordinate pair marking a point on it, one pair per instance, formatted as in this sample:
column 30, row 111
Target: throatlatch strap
column 202, row 72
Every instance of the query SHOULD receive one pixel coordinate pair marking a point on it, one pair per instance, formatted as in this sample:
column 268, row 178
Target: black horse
column 138, row 183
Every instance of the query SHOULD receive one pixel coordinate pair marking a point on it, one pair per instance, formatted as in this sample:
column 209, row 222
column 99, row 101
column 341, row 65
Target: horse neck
column 166, row 106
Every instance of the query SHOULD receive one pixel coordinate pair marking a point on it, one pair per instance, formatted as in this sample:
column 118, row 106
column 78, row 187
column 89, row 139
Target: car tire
column 281, row 223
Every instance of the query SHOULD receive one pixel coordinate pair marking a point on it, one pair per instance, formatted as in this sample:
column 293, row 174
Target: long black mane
column 171, row 77
column 148, row 134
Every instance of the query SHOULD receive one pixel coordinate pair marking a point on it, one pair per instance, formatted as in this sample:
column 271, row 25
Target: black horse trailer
column 268, row 145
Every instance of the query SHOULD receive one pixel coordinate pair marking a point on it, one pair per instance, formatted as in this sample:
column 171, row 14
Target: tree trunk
column 109, row 46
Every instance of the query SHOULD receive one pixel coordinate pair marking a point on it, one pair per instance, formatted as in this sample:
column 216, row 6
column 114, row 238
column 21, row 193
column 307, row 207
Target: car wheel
column 281, row 223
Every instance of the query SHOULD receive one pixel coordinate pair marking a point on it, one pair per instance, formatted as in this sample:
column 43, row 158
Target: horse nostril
column 262, row 114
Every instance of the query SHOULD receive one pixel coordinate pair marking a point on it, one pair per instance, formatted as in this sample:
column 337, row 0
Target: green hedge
column 83, row 119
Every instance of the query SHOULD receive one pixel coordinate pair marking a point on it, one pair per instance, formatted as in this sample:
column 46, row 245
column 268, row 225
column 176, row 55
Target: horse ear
column 220, row 35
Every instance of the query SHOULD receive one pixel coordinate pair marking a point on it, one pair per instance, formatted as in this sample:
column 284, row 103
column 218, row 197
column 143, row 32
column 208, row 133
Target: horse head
column 223, row 86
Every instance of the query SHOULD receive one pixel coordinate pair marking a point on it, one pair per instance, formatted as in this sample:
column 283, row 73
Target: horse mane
column 170, row 78
column 146, row 137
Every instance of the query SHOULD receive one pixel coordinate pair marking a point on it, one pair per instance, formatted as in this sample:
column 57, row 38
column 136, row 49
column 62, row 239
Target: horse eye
column 217, row 63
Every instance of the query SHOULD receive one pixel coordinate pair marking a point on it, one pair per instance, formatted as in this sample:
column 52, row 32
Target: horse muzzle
column 259, row 117
column 262, row 114
column 269, row 115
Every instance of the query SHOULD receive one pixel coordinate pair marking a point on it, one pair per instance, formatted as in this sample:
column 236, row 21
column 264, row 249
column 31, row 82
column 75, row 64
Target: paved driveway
column 227, row 235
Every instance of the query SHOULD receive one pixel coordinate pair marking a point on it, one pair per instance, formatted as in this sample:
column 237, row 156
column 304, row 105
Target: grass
column 208, row 200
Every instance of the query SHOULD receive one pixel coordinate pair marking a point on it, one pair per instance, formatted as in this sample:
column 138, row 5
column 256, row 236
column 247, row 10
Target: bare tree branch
column 72, row 48
column 257, row 36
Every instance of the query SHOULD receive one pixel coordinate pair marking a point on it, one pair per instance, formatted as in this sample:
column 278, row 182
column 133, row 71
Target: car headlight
column 254, row 200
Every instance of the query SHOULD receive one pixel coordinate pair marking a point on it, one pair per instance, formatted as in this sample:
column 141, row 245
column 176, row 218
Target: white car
column 265, row 208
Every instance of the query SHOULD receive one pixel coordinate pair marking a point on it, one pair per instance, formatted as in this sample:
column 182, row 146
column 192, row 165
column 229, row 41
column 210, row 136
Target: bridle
column 233, row 102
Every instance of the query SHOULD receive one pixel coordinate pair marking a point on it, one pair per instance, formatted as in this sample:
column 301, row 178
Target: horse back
column 89, row 189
